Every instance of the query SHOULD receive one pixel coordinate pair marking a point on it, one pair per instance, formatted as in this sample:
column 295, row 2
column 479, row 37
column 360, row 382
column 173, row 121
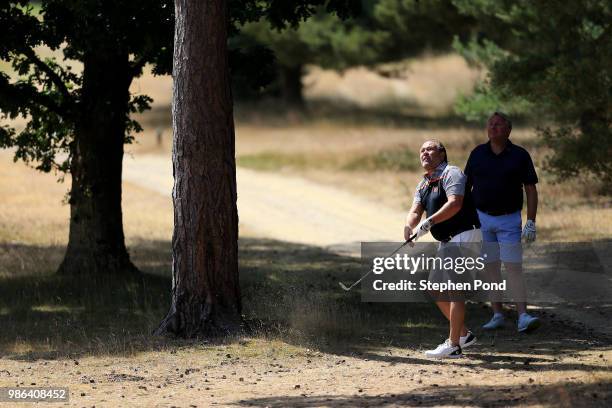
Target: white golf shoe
column 445, row 350
column 467, row 340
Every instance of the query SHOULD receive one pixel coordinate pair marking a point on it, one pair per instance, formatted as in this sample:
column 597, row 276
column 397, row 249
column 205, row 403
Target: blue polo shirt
column 497, row 179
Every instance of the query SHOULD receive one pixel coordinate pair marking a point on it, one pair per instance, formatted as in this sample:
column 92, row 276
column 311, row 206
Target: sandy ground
column 509, row 372
column 288, row 208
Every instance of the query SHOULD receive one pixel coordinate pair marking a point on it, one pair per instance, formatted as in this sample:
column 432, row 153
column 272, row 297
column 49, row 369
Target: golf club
column 347, row 288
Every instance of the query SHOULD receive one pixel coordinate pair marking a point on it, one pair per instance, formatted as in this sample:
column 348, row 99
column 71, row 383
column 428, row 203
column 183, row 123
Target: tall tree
column 79, row 120
column 557, row 56
column 205, row 287
column 205, row 293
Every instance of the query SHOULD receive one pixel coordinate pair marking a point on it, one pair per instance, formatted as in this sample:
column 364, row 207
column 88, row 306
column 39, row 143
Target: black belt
column 472, row 227
column 497, row 213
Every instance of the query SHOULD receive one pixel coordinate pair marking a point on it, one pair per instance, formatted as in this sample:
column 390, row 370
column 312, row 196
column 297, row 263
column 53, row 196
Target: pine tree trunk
column 96, row 244
column 205, row 287
column 292, row 88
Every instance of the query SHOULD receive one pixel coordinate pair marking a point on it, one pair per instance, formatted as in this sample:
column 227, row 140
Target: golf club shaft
column 409, row 240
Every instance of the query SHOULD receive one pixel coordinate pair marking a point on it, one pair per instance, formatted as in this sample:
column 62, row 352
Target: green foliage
column 485, row 99
column 414, row 26
column 480, row 54
column 48, row 92
column 385, row 30
column 324, row 39
column 478, row 106
column 558, row 57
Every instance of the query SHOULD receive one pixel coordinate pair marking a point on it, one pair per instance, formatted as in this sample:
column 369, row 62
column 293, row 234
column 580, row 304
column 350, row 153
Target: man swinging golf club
column 451, row 219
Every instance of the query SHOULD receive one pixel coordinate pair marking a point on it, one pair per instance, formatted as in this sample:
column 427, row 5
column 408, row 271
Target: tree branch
column 137, row 66
column 23, row 95
column 29, row 52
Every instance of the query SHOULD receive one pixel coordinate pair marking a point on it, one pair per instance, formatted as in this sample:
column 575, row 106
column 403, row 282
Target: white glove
column 423, row 228
column 529, row 232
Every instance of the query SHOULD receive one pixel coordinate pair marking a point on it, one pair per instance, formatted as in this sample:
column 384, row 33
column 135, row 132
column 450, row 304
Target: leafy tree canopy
column 557, row 57
column 414, row 26
column 48, row 92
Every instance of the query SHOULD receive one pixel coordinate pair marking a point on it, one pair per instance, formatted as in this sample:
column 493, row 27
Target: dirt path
column 209, row 375
column 288, row 208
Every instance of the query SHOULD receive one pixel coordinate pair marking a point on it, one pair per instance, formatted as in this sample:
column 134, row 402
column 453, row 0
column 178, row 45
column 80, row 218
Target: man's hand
column 407, row 232
column 424, row 227
column 529, row 232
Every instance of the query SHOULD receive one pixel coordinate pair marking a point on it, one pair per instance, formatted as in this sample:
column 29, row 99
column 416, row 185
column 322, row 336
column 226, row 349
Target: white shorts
column 464, row 245
column 472, row 235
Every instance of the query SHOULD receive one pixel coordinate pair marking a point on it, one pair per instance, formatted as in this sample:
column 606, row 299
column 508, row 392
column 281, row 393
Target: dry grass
column 94, row 337
column 28, row 216
column 359, row 148
column 428, row 85
column 34, row 211
column 368, row 160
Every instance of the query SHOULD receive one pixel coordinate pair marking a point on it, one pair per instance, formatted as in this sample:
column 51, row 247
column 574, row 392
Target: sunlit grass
column 399, row 159
column 272, row 161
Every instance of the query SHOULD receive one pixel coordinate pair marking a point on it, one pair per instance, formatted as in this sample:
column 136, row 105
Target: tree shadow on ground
column 290, row 293
column 597, row 394
column 46, row 315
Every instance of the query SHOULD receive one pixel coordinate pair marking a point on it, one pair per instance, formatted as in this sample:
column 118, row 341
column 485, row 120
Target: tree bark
column 205, row 287
column 291, row 83
column 96, row 244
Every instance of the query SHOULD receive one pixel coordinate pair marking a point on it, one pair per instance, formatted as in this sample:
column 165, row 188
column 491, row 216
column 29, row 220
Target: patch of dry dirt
column 514, row 372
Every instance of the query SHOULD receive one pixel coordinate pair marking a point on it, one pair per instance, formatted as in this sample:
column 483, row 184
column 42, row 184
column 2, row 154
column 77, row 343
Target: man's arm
column 454, row 183
column 449, row 209
column 532, row 201
column 412, row 219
